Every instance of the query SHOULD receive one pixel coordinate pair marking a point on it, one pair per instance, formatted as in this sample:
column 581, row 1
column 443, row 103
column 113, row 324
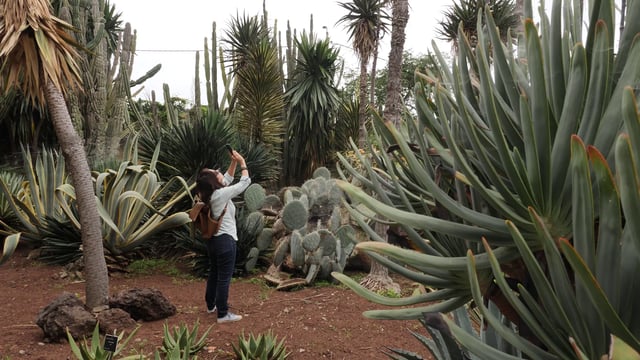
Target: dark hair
column 206, row 184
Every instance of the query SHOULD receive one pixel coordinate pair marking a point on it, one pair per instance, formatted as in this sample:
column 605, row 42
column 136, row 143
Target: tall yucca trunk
column 96, row 274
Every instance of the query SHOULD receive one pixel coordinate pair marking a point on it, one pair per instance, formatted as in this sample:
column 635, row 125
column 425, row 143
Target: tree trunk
column 363, row 108
column 393, row 102
column 378, row 278
column 97, row 280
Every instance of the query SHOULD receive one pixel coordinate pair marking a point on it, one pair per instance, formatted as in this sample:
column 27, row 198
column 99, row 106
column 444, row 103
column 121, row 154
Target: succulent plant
column 183, row 341
column 254, row 197
column 263, row 346
column 312, row 239
column 521, row 188
column 254, row 225
column 321, row 172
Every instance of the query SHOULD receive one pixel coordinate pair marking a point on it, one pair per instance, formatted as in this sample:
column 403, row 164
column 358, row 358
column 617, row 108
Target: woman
column 214, row 187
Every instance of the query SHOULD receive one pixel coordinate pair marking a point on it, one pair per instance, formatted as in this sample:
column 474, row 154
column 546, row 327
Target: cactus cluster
column 311, row 236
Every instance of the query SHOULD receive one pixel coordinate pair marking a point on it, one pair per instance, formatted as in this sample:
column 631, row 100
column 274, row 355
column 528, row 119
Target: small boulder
column 143, row 304
column 115, row 320
column 65, row 312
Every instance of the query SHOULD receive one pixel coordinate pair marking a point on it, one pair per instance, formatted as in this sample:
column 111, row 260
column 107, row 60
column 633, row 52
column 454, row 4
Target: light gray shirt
column 224, row 196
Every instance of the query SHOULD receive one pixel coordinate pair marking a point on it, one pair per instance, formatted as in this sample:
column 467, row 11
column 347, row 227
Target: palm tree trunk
column 363, row 109
column 393, row 102
column 97, row 280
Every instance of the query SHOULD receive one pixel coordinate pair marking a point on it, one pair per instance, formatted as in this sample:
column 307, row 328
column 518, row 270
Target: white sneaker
column 229, row 318
column 212, row 310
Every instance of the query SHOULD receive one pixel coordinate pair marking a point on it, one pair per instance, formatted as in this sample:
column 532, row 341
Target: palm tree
column 38, row 59
column 465, row 13
column 364, row 19
column 378, row 277
column 258, row 95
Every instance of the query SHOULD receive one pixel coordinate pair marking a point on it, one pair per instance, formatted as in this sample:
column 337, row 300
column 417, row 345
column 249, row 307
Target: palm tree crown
column 27, row 49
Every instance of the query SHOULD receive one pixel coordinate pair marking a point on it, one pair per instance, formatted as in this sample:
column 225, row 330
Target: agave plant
column 33, row 200
column 93, row 350
column 182, row 342
column 13, row 181
column 128, row 204
column 262, row 346
column 518, row 188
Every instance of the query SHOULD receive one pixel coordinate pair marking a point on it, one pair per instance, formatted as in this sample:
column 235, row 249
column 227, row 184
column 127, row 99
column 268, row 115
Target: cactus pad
column 336, row 219
column 272, row 201
column 322, row 172
column 327, row 242
column 254, row 197
column 281, row 251
column 311, row 241
column 297, row 251
column 264, row 239
column 252, row 259
column 255, row 223
column 315, row 257
column 294, row 215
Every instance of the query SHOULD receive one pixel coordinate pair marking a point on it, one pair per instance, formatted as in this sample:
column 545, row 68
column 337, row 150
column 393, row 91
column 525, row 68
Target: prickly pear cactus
column 313, row 238
column 254, row 197
column 255, row 222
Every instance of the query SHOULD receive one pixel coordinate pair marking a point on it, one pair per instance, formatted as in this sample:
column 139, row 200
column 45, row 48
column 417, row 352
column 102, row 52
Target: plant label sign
column 110, row 342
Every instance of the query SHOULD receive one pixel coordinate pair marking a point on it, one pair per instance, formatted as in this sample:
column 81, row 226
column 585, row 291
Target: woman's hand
column 239, row 158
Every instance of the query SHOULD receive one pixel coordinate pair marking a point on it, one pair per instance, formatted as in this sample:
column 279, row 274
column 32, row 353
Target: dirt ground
column 322, row 322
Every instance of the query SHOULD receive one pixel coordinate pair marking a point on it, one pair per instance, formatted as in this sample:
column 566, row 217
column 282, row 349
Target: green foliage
column 518, row 188
column 313, row 100
column 188, row 146
column 152, row 266
column 263, row 346
column 61, row 242
column 181, row 342
column 195, row 250
column 133, row 205
column 463, row 15
column 33, row 201
column 93, row 349
column 13, row 182
column 258, row 94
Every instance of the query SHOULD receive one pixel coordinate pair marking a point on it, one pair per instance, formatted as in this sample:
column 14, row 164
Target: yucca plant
column 188, row 145
column 517, row 189
column 263, row 346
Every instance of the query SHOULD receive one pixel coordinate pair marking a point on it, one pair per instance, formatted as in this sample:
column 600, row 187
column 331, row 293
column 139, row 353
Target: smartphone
column 229, row 149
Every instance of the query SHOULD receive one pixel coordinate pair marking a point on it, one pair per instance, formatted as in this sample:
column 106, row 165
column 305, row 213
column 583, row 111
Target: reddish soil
column 321, row 322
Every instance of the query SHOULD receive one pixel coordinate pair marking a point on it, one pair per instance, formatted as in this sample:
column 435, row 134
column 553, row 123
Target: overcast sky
column 169, row 32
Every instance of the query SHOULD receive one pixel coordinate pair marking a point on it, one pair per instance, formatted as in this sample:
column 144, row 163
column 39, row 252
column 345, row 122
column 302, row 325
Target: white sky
column 183, row 25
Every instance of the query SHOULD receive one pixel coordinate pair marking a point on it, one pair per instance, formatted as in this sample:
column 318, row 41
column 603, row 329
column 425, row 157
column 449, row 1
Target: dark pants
column 222, row 260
